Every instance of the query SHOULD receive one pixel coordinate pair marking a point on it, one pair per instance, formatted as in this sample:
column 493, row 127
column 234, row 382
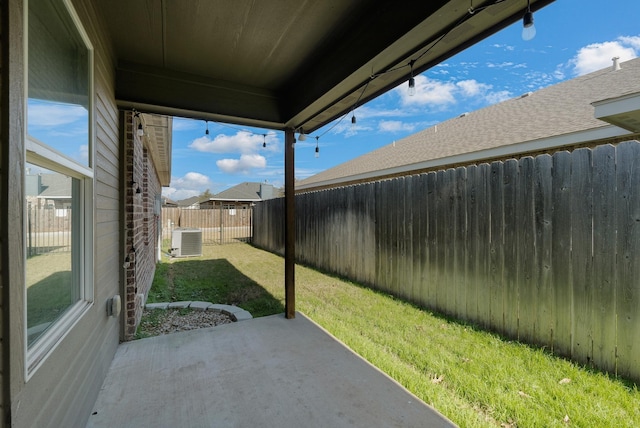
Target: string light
column 206, row 132
column 140, row 131
column 317, row 155
column 412, row 81
column 353, row 121
column 264, row 140
column 528, row 29
column 302, row 136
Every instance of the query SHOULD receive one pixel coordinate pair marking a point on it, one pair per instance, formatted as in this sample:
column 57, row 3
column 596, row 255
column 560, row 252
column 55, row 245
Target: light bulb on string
column 528, row 29
column 317, row 154
column 353, row 122
column 264, row 140
column 412, row 81
column 206, row 132
column 140, row 130
column 302, row 135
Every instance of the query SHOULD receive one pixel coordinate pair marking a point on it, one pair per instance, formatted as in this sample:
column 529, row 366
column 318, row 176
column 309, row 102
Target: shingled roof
column 556, row 116
column 246, row 191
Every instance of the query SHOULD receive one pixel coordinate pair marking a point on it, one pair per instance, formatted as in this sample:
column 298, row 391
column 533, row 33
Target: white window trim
column 40, row 154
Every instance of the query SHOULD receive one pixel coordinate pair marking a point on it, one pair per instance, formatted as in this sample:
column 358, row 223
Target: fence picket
column 581, row 253
column 561, row 250
column 604, row 256
column 526, row 248
column 496, row 249
column 543, row 237
column 511, row 227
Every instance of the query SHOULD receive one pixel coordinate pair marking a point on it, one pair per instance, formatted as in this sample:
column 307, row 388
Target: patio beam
column 289, row 226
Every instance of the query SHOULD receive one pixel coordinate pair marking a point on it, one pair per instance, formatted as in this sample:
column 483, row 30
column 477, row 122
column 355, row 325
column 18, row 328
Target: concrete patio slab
column 268, row 372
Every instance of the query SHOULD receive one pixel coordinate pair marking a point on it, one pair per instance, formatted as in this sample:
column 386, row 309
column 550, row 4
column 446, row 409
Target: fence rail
column 218, row 225
column 545, row 250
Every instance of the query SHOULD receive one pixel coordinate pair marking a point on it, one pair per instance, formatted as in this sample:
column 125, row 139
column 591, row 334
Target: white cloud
column 244, row 165
column 184, row 124
column 50, row 115
column 436, row 93
column 428, row 92
column 597, row 56
column 500, row 65
column 497, row 97
column 503, row 46
column 178, row 194
column 84, row 153
column 633, row 41
column 472, row 88
column 395, row 126
column 191, row 184
column 242, row 142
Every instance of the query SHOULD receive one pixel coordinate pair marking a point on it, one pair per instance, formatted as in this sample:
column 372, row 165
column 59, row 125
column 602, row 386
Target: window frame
column 39, row 154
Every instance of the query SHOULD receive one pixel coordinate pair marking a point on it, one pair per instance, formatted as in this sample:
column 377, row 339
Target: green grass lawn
column 50, row 288
column 475, row 378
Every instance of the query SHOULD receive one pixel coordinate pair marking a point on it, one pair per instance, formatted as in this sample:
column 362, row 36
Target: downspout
column 289, row 226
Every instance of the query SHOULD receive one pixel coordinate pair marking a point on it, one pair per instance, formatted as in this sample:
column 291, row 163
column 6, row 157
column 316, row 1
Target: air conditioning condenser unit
column 186, row 242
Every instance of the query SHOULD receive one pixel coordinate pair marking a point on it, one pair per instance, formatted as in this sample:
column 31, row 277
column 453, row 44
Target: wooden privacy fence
column 219, row 225
column 545, row 250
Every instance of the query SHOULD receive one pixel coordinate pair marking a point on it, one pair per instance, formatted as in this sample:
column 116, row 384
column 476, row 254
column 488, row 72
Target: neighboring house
column 168, row 203
column 192, row 203
column 49, row 190
column 558, row 117
column 241, row 196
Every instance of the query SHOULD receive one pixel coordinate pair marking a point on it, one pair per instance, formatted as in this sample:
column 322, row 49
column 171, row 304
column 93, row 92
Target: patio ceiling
column 287, row 63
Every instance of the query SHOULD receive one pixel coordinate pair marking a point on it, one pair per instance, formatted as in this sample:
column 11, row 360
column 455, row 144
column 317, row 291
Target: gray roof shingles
column 560, row 109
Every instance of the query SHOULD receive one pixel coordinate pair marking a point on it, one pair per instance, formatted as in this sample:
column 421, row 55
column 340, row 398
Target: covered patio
column 293, row 67
column 262, row 372
column 288, row 66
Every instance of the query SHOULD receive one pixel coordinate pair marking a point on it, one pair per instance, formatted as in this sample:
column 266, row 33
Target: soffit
column 621, row 111
column 157, row 140
column 288, row 63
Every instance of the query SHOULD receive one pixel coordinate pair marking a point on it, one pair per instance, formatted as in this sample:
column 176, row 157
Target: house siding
column 63, row 389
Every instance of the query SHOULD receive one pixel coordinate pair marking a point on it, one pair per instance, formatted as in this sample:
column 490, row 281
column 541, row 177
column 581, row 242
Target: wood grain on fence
column 541, row 249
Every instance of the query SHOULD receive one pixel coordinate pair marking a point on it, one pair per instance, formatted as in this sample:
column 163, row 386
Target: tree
column 206, row 194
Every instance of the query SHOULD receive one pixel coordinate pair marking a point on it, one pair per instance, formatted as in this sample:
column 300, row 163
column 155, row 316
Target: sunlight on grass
column 474, row 378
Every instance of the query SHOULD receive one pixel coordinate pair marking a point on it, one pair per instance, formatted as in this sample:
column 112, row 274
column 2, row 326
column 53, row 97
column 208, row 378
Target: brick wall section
column 141, row 222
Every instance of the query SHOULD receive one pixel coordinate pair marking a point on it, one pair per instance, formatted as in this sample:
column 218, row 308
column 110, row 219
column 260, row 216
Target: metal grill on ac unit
column 186, row 242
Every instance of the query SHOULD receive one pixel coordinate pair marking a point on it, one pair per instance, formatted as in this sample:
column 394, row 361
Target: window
column 59, row 176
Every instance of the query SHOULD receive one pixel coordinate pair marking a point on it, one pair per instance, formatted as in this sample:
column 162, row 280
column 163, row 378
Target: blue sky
column 573, row 38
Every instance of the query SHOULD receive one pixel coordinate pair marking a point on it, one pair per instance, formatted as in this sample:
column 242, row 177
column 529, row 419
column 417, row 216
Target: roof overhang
column 285, row 64
column 621, row 111
column 234, row 200
column 157, row 140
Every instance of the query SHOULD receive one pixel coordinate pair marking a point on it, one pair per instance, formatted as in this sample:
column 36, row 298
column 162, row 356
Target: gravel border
column 200, row 315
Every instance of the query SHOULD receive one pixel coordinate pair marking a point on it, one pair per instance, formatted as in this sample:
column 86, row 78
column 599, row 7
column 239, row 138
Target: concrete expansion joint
column 234, row 312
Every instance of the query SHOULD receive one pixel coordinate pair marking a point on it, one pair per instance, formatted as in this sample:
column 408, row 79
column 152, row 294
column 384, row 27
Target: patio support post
column 289, row 226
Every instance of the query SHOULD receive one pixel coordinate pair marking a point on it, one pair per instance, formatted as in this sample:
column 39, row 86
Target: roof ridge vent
column 616, row 63
column 526, row 94
column 464, row 114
